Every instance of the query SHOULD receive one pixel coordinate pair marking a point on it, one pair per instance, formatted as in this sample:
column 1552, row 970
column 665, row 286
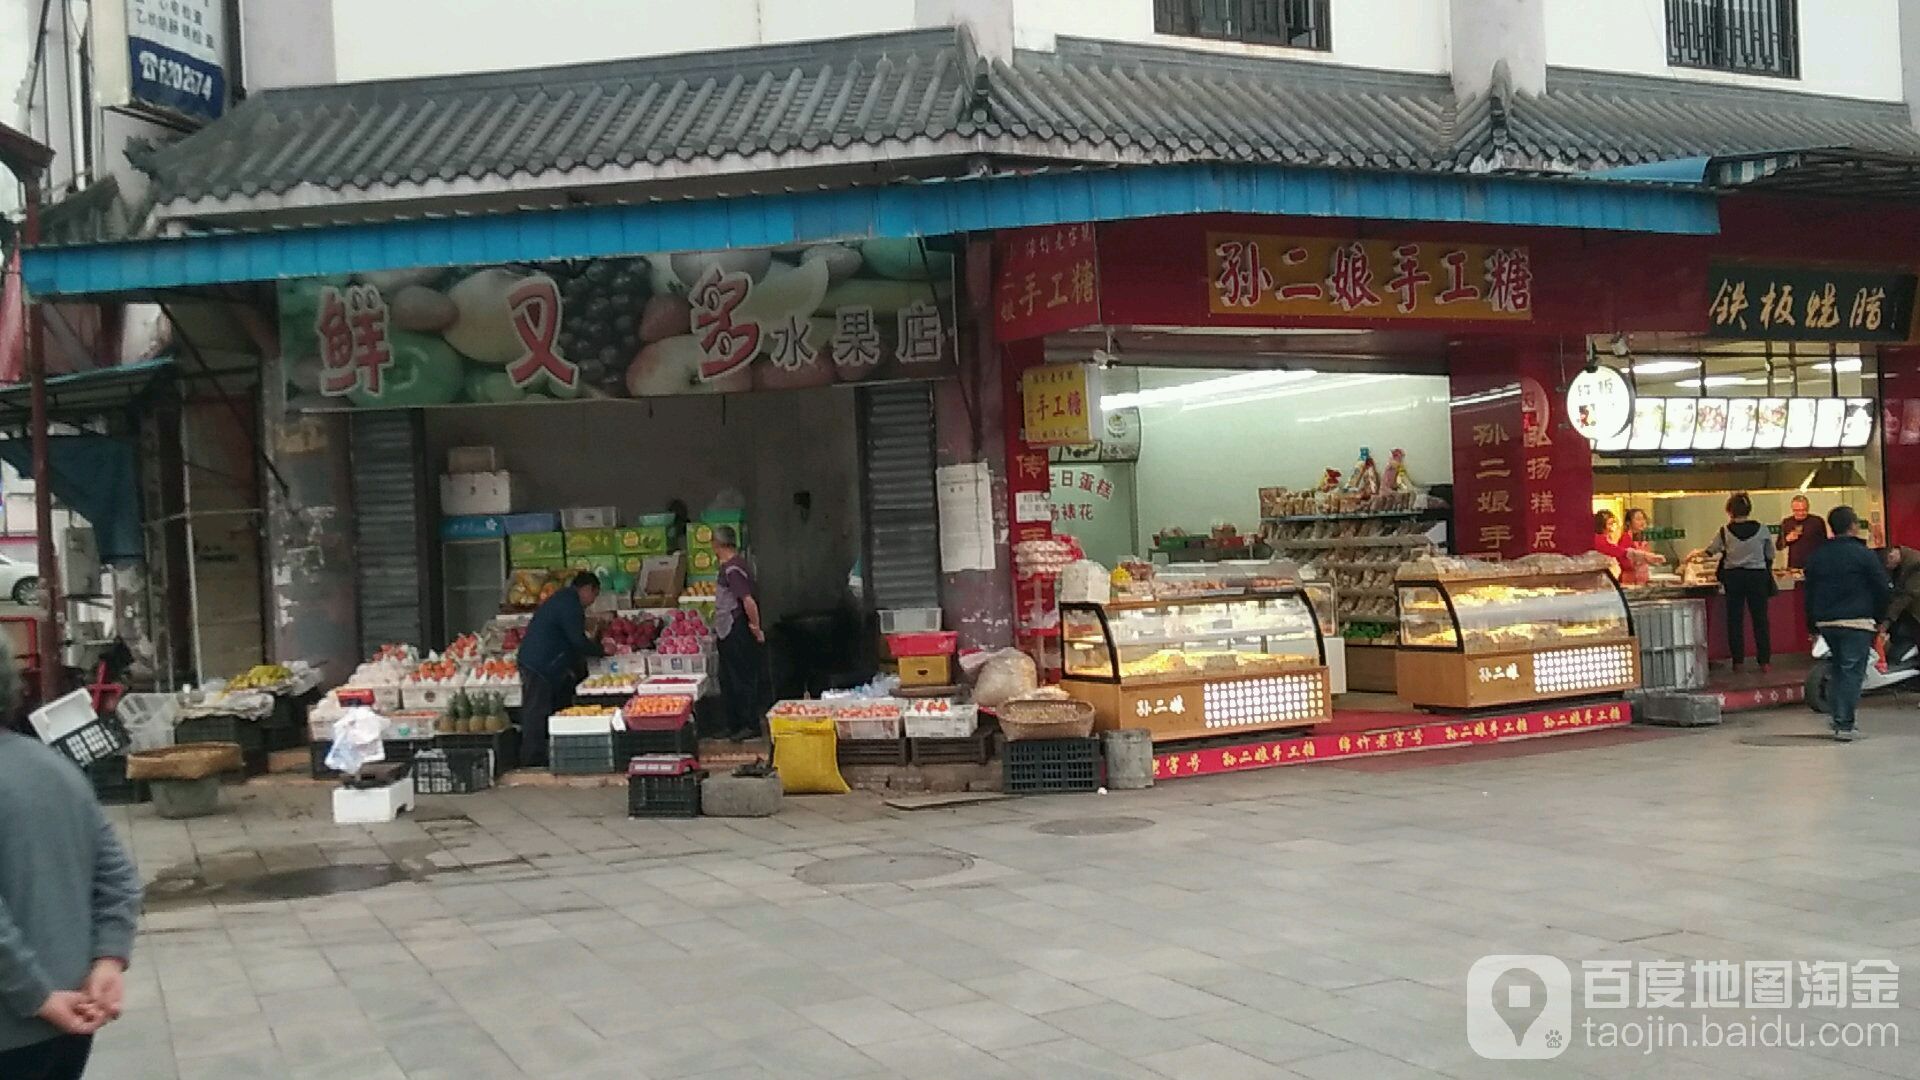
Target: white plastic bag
column 1003, row 676
column 356, row 740
column 1085, row 582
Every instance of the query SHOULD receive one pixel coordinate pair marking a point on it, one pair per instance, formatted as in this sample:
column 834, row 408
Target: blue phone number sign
column 169, row 79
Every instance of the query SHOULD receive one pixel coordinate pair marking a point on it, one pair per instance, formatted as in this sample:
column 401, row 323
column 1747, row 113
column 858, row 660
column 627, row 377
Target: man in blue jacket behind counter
column 551, row 659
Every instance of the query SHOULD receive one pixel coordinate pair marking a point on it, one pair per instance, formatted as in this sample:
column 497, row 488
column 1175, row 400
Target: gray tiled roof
column 926, row 93
column 808, row 96
column 1591, row 119
column 1182, row 104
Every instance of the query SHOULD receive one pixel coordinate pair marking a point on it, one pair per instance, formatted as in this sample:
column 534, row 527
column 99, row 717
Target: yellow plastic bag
column 803, row 753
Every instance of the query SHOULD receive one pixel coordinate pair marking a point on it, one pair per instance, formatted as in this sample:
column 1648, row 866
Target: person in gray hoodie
column 1746, row 576
column 69, row 898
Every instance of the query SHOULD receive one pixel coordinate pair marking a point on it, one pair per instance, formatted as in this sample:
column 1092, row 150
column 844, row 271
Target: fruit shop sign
column 646, row 326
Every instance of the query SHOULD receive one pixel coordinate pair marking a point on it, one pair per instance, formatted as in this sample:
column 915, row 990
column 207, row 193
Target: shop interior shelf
column 1381, row 515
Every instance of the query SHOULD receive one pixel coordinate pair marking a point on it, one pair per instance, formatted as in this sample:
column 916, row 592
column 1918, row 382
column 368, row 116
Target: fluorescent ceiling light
column 1185, row 394
column 1713, row 381
column 1664, row 367
column 1844, row 367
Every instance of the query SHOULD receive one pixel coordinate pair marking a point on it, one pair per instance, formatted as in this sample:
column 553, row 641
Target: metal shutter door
column 389, row 558
column 903, row 520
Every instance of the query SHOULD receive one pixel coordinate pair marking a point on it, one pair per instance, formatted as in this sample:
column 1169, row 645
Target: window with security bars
column 1753, row 37
column 1300, row 24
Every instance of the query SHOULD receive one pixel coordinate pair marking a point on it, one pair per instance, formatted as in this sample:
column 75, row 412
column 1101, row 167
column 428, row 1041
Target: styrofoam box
column 472, row 459
column 435, row 696
column 63, row 716
column 372, row 806
column 704, row 662
column 582, row 725
column 627, row 664
column 866, row 727
column 909, row 620
column 963, row 721
column 478, row 493
column 699, row 688
column 407, row 728
column 590, row 517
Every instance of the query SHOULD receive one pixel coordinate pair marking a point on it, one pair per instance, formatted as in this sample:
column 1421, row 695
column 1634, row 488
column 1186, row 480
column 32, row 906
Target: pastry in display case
column 1192, row 667
column 1479, row 633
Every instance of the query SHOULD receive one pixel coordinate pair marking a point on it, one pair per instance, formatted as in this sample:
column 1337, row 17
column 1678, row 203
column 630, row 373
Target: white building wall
column 1848, row 48
column 1397, row 35
column 385, row 39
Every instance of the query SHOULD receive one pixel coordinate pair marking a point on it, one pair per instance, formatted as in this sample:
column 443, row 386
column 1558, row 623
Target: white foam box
column 434, row 696
column 467, row 494
column 583, row 725
column 372, row 806
column 63, row 716
column 472, row 459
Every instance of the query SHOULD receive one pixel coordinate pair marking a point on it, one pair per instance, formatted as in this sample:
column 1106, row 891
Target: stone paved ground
column 1314, row 922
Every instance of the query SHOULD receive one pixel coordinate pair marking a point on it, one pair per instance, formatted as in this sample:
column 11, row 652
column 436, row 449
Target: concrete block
column 1674, row 709
column 740, row 796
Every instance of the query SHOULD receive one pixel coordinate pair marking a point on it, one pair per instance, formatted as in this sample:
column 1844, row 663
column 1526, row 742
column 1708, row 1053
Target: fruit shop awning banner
column 640, row 327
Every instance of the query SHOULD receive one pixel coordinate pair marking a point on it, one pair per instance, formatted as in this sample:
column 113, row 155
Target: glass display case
column 1194, row 667
column 1521, row 634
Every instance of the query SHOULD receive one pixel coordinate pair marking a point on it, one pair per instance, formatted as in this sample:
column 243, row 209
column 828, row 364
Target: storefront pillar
column 970, row 419
column 1029, row 480
column 1900, row 442
column 1523, row 478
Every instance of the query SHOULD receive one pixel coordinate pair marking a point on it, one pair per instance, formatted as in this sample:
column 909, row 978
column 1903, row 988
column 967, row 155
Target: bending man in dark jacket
column 551, row 657
column 1847, row 595
column 1903, row 614
column 68, row 900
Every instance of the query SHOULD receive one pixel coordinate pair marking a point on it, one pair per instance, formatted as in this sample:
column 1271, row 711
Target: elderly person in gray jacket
column 69, row 896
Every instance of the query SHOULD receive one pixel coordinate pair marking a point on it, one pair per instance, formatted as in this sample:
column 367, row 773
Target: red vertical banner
column 1029, row 488
column 1523, row 478
column 1900, row 442
column 1489, row 463
column 1046, row 281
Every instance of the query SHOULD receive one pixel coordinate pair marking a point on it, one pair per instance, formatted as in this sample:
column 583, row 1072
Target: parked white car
column 19, row 581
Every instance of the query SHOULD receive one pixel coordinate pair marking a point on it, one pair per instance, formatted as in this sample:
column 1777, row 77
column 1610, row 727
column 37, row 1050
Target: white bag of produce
column 1085, row 582
column 1003, row 676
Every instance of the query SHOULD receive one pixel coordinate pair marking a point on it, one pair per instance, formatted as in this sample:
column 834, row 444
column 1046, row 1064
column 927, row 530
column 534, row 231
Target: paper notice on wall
column 1032, row 507
column 966, row 517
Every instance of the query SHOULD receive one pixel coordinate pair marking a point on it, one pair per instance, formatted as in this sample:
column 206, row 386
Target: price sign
column 1060, row 404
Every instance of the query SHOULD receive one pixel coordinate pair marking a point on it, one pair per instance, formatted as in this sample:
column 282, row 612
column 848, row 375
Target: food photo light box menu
column 1741, row 424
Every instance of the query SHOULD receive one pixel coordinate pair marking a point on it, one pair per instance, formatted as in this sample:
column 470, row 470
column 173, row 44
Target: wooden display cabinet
column 1528, row 635
column 1198, row 667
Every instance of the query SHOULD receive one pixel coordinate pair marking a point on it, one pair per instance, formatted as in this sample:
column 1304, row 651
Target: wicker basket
column 1022, row 720
column 191, row 761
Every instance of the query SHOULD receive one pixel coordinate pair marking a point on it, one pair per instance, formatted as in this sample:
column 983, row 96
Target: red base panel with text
column 1171, row 763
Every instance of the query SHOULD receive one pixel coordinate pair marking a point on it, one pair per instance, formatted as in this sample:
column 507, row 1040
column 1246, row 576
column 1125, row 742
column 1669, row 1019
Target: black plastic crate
column 975, row 749
column 665, row 796
column 871, row 751
column 578, row 755
column 452, row 771
column 246, row 734
column 1052, row 766
column 95, row 740
column 503, row 745
column 680, row 740
column 110, row 784
column 317, row 761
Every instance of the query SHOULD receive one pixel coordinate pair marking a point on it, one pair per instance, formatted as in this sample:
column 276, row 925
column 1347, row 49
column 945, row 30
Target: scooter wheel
column 1819, row 688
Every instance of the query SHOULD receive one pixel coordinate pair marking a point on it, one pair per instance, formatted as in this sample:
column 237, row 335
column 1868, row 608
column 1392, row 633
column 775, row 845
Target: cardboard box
column 530, row 549
column 641, row 540
column 473, row 459
column 662, row 577
column 536, row 522
column 478, row 493
column 589, row 517
column 473, row 527
column 589, row 542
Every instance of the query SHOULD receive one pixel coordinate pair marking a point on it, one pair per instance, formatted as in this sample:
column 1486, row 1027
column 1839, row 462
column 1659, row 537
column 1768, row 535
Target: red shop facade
column 1507, row 315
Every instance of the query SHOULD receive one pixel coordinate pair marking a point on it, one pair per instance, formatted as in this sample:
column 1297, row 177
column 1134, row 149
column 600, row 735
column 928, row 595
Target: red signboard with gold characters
column 1329, row 277
column 1303, row 750
column 1046, row 281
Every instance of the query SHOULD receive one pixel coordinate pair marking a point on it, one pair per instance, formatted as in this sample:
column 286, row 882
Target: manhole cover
column 881, row 869
column 320, row 881
column 1805, row 739
column 1096, row 826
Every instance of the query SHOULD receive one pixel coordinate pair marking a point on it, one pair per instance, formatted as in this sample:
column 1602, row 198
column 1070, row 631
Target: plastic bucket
column 185, row 798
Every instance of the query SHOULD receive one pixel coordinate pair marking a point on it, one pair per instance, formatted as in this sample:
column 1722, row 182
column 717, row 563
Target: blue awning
column 1831, row 172
column 920, row 209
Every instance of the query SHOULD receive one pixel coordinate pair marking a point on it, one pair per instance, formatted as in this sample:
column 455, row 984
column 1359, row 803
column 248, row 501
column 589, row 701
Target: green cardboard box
column 641, row 540
column 589, row 542
column 532, row 549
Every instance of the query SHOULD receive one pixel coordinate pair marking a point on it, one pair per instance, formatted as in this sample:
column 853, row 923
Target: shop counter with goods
column 1215, row 662
column 1477, row 634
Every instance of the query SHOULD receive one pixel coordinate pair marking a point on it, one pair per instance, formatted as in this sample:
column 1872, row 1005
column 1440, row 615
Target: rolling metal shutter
column 388, row 528
column 903, row 519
